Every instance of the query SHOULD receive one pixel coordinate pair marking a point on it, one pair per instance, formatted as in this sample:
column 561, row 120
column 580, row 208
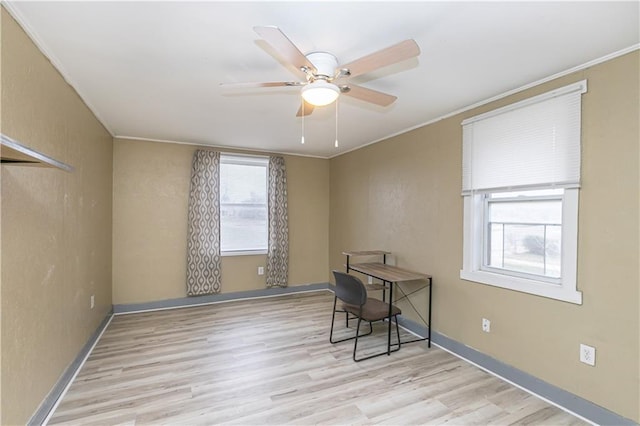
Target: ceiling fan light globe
column 320, row 93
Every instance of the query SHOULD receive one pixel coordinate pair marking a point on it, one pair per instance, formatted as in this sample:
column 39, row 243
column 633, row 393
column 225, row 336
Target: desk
column 391, row 275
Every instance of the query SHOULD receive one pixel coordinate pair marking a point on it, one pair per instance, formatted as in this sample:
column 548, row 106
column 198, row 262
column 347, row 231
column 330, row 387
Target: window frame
column 533, row 144
column 524, row 199
column 474, row 243
column 246, row 160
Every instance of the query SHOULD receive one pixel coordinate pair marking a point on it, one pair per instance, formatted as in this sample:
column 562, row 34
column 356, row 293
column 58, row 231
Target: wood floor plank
column 269, row 361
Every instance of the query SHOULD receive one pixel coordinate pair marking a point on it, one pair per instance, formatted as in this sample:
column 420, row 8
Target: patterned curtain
column 203, row 245
column 278, row 254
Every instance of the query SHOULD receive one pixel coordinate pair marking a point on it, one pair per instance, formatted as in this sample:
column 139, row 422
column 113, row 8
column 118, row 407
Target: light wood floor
column 269, row 361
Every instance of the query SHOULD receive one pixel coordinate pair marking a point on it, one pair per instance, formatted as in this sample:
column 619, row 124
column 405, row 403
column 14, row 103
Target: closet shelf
column 13, row 152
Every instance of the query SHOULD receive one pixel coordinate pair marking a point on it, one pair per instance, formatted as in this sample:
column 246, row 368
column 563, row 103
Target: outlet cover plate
column 486, row 325
column 587, row 354
column 260, row 270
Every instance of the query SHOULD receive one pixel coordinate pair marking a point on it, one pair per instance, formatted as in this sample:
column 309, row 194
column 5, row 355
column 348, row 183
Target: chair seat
column 372, row 310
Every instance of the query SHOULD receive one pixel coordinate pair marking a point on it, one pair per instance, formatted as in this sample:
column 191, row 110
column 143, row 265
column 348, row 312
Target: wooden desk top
column 366, row 253
column 388, row 273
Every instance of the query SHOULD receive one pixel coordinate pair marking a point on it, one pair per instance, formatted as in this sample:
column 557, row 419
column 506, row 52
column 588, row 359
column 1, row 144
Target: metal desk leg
column 430, row 293
column 389, row 317
column 384, row 287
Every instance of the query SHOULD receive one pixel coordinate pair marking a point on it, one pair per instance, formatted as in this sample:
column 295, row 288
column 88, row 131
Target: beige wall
column 403, row 195
column 56, row 227
column 150, row 196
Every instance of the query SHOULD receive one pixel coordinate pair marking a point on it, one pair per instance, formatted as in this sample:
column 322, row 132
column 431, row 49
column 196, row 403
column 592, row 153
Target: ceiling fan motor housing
column 325, row 64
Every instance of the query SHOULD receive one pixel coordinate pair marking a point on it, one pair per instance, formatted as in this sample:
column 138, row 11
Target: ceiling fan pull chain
column 336, row 144
column 302, row 139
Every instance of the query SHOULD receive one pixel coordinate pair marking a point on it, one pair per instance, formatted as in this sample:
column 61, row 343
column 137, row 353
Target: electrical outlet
column 486, row 325
column 587, row 354
column 369, row 280
column 93, row 301
column 260, row 270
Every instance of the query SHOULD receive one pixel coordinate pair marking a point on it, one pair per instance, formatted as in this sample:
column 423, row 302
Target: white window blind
column 535, row 142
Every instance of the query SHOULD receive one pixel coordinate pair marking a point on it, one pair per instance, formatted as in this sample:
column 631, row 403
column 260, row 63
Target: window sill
column 243, row 253
column 539, row 288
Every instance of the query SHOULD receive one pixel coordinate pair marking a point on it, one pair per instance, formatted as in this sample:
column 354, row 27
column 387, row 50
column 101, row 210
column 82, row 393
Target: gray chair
column 353, row 295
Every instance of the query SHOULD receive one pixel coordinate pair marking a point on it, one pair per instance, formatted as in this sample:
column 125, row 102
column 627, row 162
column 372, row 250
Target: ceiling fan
column 324, row 79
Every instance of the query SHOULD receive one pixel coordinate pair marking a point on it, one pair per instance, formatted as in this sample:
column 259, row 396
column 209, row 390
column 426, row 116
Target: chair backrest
column 350, row 289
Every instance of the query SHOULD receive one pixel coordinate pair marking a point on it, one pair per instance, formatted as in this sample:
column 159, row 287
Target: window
column 521, row 178
column 524, row 234
column 243, row 205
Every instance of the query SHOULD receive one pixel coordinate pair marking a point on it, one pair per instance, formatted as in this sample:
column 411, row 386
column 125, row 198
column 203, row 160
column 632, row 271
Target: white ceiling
column 152, row 70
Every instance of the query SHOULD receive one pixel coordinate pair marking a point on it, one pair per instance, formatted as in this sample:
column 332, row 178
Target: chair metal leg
column 395, row 318
column 355, row 343
column 386, row 352
column 333, row 318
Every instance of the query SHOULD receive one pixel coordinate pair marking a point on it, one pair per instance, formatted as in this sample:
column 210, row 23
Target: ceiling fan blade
column 264, row 84
column 284, row 47
column 398, row 52
column 368, row 95
column 305, row 109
